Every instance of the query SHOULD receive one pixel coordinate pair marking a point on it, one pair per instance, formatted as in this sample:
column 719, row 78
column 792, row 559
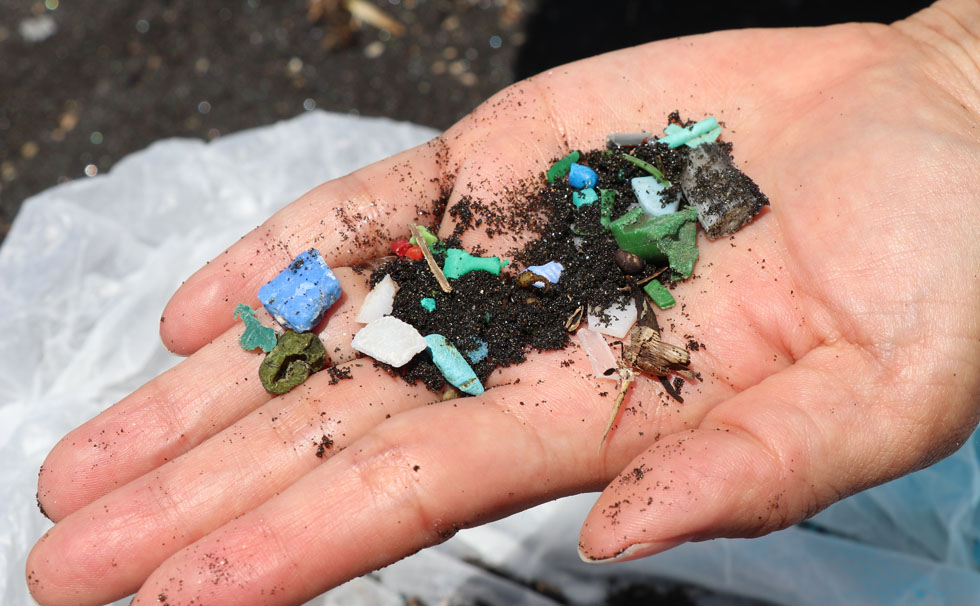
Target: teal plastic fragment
column 453, row 365
column 659, row 294
column 586, row 196
column 255, row 335
column 428, row 303
column 459, row 263
column 479, row 353
column 703, row 131
column 560, row 168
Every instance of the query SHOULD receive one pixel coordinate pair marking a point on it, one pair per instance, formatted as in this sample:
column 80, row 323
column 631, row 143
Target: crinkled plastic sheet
column 89, row 265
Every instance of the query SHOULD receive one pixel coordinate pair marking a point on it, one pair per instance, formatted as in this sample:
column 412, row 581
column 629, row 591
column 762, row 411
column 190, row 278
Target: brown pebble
column 629, row 263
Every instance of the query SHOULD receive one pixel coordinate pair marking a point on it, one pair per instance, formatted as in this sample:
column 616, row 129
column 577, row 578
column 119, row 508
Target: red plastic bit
column 400, row 245
column 414, row 253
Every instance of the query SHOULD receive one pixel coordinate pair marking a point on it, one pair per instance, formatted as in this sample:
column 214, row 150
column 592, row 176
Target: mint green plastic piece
column 650, row 168
column 459, row 263
column 560, row 168
column 659, row 294
column 430, row 238
column 586, row 196
column 428, row 303
column 255, row 335
column 641, row 234
column 607, row 197
column 700, row 132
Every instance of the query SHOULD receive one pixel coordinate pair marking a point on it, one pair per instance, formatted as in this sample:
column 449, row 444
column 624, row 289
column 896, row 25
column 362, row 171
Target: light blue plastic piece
column 649, row 192
column 453, row 365
column 581, row 176
column 478, row 354
column 551, row 270
column 428, row 303
column 700, row 132
column 298, row 297
column 586, row 196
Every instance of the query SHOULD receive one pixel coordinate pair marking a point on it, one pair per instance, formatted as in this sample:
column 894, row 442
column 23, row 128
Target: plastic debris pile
column 620, row 229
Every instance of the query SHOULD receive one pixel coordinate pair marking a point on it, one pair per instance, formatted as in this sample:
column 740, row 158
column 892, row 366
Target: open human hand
column 842, row 330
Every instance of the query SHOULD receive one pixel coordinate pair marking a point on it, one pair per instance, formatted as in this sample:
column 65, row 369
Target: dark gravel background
column 83, row 83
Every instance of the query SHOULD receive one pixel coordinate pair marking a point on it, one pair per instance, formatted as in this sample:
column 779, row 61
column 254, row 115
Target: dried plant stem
column 433, row 266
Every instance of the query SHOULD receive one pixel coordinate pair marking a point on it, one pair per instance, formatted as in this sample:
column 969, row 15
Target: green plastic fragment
column 430, row 238
column 459, row 263
column 682, row 252
column 703, row 131
column 255, row 334
column 642, row 235
column 292, row 361
column 659, row 294
column 428, row 303
column 586, row 196
column 650, row 168
column 560, row 168
column 607, row 197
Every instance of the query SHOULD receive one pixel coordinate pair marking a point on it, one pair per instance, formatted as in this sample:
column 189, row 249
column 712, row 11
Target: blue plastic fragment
column 550, row 270
column 649, row 193
column 586, row 196
column 453, row 365
column 479, row 353
column 703, row 131
column 298, row 297
column 581, row 176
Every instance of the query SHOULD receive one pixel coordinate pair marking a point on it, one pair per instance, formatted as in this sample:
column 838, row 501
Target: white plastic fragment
column 649, row 193
column 600, row 355
column 622, row 316
column 379, row 302
column 389, row 340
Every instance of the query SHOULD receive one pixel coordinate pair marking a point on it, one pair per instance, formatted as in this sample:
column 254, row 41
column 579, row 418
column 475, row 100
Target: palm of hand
column 841, row 349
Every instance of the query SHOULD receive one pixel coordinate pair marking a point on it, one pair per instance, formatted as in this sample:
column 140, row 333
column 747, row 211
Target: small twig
column 645, row 280
column 625, row 380
column 433, row 266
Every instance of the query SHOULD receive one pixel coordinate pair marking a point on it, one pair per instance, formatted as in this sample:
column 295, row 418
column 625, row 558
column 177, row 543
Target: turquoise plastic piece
column 255, row 335
column 703, row 131
column 428, row 303
column 453, row 365
column 459, row 263
column 586, row 196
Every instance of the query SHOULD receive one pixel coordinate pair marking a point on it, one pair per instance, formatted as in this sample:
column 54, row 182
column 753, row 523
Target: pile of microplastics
column 619, row 222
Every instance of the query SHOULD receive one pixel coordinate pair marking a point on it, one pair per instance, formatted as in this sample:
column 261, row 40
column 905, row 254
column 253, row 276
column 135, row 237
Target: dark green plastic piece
column 255, row 335
column 659, row 294
column 607, row 197
column 665, row 239
column 650, row 168
column 292, row 361
column 560, row 168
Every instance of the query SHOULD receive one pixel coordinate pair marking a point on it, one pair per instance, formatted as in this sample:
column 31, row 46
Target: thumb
column 761, row 461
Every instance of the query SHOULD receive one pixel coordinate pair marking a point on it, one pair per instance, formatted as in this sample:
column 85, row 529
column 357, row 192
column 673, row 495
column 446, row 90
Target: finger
column 834, row 423
column 176, row 411
column 132, row 529
column 347, row 219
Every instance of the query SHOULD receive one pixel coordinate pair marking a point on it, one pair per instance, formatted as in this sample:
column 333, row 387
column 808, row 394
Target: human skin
column 842, row 330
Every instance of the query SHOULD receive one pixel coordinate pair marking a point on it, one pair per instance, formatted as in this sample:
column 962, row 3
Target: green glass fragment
column 659, row 294
column 459, row 263
column 560, row 168
column 640, row 234
column 607, row 197
column 430, row 238
column 650, row 168
column 586, row 196
column 428, row 303
column 292, row 361
column 255, row 334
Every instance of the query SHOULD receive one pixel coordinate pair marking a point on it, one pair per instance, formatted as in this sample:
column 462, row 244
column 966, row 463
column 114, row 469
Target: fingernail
column 633, row 552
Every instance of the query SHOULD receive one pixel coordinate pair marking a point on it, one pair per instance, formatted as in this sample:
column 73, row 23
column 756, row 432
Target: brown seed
column 629, row 263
